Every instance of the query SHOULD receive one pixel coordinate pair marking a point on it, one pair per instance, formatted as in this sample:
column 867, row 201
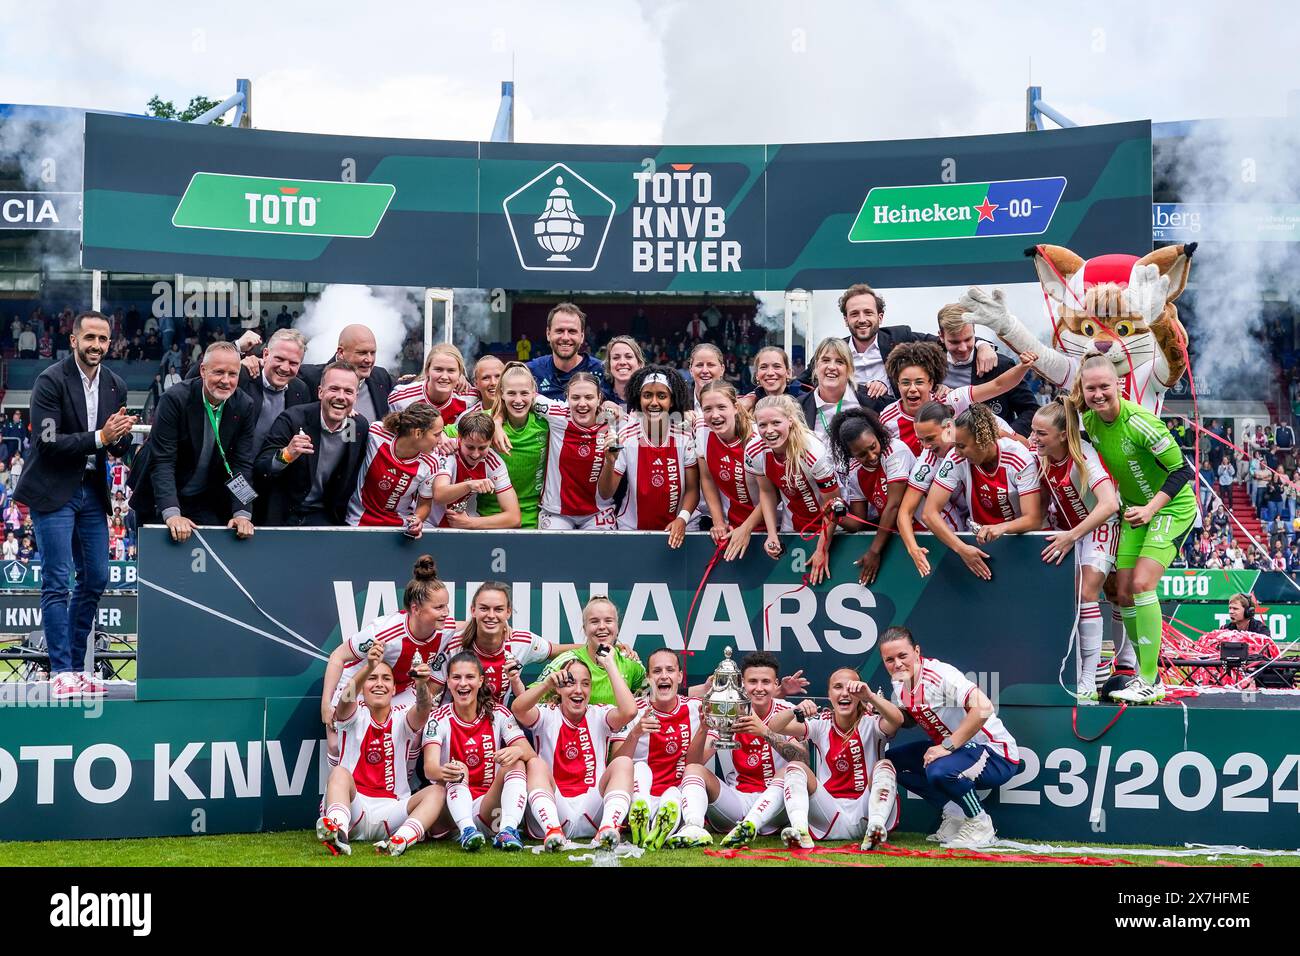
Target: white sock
column 514, row 798
column 884, row 792
column 412, row 831
column 671, row 795
column 642, row 778
column 543, row 804
column 615, row 809
column 767, row 806
column 1089, row 654
column 460, row 804
column 796, row 797
column 695, row 801
column 341, row 816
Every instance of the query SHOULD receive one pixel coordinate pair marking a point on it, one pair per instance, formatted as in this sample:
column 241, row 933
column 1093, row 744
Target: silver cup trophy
column 725, row 702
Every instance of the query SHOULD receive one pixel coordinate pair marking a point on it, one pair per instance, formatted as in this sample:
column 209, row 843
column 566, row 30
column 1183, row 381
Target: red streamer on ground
column 830, row 854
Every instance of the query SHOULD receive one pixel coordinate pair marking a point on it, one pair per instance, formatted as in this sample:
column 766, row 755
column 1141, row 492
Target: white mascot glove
column 987, row 310
column 1146, row 293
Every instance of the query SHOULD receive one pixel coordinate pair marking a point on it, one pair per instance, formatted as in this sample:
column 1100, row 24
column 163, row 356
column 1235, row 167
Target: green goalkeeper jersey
column 1139, row 452
column 634, row 674
column 526, row 465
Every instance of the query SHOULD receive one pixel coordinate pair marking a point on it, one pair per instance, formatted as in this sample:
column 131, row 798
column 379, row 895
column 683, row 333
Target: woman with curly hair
column 878, row 467
column 917, row 370
column 655, row 451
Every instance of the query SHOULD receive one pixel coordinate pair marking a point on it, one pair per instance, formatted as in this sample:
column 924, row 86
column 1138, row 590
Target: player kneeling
column 367, row 796
column 855, row 792
column 657, row 742
column 474, row 746
column 569, row 785
column 750, row 796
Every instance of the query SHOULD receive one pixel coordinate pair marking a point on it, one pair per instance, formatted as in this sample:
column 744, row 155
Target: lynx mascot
column 1119, row 305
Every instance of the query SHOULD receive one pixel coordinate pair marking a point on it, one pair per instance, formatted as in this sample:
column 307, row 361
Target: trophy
column 725, row 702
column 416, row 661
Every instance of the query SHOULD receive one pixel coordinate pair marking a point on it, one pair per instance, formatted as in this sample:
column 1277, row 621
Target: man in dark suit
column 357, row 348
column 1016, row 407
column 272, row 378
column 863, row 309
column 78, row 417
column 307, row 467
column 197, row 466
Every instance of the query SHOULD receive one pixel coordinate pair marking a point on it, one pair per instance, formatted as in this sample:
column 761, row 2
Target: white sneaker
column 975, row 833
column 796, row 837
column 948, row 828
column 1140, row 692
column 1086, row 694
column 89, row 686
column 876, row 834
column 690, row 836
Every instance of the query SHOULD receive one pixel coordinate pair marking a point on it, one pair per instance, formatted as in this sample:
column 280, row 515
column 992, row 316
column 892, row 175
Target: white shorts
column 842, row 818
column 579, row 815
column 600, row 521
column 1098, row 549
column 731, row 806
column 376, row 818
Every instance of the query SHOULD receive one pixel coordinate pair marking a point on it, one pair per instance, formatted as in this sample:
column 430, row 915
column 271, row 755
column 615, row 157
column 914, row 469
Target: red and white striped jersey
column 400, row 646
column 749, row 768
column 576, row 753
column 656, row 478
column 414, row 393
column 524, row 646
column 665, row 749
column 726, row 463
column 921, row 478
column 458, row 470
column 993, row 496
column 804, row 489
column 872, row 485
column 575, row 455
column 1074, row 492
column 903, row 426
column 377, row 754
column 473, row 744
column 388, row 486
column 846, row 761
column 938, row 705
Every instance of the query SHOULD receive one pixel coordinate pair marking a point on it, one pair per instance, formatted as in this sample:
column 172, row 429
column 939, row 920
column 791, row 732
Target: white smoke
column 1233, row 278
column 471, row 325
column 44, row 148
column 388, row 311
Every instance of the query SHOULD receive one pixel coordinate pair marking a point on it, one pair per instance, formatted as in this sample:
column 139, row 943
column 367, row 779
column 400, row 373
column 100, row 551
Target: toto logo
column 558, row 221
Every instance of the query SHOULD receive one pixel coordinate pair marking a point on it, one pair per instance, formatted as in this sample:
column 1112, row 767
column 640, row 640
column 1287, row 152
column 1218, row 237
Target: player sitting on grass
column 367, row 796
column 657, row 742
column 751, row 794
column 569, row 786
column 855, row 792
column 464, row 742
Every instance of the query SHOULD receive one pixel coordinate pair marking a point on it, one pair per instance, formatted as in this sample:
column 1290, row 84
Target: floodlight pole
column 796, row 300
column 241, row 101
column 1036, row 109
column 430, row 297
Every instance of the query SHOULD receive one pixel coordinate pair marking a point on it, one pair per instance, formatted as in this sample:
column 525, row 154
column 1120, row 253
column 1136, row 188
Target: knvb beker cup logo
column 288, row 207
column 1012, row 207
column 558, row 221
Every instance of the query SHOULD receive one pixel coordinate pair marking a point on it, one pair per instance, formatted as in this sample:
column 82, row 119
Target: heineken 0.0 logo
column 1012, row 207
column 290, row 207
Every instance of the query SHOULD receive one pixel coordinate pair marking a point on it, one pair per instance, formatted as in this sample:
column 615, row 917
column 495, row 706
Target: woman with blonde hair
column 732, row 496
column 444, row 370
column 522, row 438
column 1084, row 514
column 790, row 461
column 834, row 390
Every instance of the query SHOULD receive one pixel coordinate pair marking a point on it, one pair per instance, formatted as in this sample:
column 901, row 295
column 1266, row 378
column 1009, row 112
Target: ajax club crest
column 558, row 221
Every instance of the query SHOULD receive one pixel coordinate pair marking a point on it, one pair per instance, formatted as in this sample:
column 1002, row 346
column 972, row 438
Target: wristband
column 283, row 460
column 684, row 515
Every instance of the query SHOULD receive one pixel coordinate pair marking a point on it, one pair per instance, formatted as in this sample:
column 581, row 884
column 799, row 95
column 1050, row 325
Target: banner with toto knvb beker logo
column 202, row 200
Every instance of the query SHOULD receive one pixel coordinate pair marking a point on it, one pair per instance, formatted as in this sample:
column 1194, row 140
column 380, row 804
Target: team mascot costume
column 1121, row 306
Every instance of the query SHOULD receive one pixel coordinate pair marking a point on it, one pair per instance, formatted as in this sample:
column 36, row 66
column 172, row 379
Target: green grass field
column 299, row 848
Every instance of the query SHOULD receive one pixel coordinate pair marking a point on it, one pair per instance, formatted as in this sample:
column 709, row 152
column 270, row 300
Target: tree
column 166, row 109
